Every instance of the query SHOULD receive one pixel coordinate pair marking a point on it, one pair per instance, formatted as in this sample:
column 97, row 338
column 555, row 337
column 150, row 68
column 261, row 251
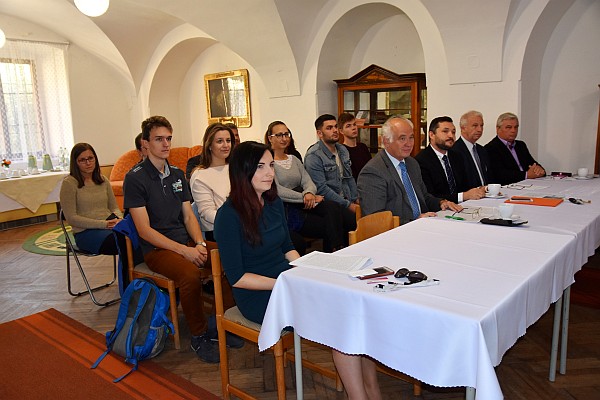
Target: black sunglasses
column 412, row 276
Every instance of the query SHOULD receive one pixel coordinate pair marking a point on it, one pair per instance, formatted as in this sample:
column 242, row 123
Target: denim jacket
column 322, row 168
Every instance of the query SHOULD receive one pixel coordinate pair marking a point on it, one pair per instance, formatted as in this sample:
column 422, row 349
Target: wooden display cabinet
column 374, row 94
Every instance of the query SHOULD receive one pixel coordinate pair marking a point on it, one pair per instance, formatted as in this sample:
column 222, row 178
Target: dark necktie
column 449, row 174
column 410, row 191
column 478, row 161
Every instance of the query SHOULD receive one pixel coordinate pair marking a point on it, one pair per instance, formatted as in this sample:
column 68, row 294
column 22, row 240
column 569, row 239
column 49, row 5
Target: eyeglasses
column 412, row 276
column 285, row 135
column 86, row 160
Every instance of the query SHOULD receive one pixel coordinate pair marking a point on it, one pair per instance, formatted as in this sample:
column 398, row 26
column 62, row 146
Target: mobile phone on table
column 379, row 271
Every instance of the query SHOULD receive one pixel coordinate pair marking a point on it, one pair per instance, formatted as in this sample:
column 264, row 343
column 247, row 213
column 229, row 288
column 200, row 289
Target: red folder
column 535, row 201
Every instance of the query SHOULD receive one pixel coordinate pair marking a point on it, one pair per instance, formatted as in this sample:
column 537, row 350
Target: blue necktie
column 449, row 174
column 410, row 191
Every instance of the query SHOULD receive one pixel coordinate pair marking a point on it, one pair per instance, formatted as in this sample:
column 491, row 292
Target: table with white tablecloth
column 30, row 191
column 494, row 283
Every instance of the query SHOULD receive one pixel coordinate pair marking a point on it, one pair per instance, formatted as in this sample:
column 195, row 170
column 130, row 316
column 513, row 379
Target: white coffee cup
column 506, row 210
column 582, row 172
column 15, row 173
column 493, row 189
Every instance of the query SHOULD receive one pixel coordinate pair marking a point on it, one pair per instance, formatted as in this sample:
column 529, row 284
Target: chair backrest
column 372, row 225
column 70, row 245
column 358, row 212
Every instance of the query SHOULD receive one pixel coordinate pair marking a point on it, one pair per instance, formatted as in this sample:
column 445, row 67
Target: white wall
column 569, row 90
column 101, row 105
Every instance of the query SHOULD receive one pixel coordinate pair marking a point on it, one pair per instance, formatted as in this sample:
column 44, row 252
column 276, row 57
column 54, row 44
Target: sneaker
column 232, row 341
column 206, row 349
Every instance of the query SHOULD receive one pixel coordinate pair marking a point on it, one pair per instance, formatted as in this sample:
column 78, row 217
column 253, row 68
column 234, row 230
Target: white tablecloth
column 495, row 282
column 30, row 191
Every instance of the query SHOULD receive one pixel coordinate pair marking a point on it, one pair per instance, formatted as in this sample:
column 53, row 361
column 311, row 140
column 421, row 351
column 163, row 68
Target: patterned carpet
column 49, row 242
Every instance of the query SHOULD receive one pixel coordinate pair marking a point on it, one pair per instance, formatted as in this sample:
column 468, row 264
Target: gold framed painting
column 228, row 98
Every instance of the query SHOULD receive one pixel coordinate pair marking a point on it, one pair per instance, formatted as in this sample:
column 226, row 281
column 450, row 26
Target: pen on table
column 517, row 198
column 376, row 280
column 456, row 218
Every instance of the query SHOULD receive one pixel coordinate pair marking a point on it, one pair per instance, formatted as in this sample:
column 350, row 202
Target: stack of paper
column 332, row 262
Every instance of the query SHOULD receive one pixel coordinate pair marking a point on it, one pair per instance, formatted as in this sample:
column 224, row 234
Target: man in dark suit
column 510, row 158
column 477, row 162
column 443, row 171
column 392, row 179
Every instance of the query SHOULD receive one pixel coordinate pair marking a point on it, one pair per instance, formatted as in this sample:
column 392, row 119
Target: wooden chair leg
column 224, row 362
column 417, row 388
column 279, row 370
column 174, row 316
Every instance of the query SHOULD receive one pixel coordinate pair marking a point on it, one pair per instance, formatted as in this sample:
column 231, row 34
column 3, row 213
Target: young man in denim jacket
column 328, row 164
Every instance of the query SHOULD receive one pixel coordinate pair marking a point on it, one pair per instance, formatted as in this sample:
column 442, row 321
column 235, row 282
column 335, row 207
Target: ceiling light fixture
column 2, row 38
column 92, row 8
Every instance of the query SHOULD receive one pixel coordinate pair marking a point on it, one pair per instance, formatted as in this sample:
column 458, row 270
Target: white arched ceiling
column 330, row 34
column 136, row 30
column 259, row 36
column 62, row 17
column 165, row 92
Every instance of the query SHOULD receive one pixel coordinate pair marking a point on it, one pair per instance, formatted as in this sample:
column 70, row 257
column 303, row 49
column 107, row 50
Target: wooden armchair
column 234, row 322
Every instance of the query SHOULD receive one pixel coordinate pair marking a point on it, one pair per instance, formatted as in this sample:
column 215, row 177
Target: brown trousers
column 188, row 278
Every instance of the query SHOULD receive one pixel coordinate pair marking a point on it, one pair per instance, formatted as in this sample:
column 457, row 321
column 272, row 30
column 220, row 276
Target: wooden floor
column 32, row 283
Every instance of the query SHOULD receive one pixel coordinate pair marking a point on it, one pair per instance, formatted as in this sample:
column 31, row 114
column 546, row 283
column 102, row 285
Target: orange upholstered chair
column 178, row 157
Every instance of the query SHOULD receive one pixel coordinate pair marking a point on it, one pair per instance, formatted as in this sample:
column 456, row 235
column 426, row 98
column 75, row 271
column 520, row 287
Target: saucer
column 498, row 196
column 584, row 177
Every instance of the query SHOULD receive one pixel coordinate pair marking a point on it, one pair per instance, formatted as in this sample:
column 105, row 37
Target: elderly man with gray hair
column 510, row 159
column 392, row 179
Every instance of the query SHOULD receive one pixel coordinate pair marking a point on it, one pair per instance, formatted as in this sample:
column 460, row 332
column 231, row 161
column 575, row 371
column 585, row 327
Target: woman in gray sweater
column 308, row 214
column 89, row 204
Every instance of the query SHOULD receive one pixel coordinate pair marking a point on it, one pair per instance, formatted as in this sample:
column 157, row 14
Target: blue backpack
column 142, row 325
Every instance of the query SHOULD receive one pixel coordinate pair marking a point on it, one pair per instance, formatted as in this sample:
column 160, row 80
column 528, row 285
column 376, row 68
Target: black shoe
column 206, row 349
column 232, row 341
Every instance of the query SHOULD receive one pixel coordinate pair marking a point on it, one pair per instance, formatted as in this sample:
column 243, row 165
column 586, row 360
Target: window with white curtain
column 35, row 108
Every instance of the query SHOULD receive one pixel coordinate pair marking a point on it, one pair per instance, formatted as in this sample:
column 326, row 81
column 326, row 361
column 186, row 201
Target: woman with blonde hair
column 210, row 180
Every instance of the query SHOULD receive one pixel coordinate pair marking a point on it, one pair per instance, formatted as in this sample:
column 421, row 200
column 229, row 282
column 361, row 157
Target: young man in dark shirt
column 359, row 152
column 159, row 200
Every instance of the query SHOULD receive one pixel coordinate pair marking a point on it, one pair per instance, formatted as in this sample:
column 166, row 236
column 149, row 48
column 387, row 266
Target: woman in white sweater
column 88, row 203
column 308, row 214
column 210, row 180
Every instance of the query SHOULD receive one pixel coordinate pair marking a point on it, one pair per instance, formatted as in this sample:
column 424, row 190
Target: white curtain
column 35, row 107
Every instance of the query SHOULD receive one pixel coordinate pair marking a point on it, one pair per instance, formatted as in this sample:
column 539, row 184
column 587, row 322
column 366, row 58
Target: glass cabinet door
column 375, row 94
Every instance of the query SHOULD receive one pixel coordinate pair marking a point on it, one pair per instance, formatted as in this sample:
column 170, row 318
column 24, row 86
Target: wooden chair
column 234, row 322
column 372, row 225
column 367, row 227
column 73, row 251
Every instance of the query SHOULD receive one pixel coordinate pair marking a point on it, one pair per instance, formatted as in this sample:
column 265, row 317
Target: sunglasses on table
column 412, row 276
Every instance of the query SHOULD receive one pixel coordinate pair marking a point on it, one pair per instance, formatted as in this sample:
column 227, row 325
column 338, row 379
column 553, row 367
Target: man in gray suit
column 392, row 179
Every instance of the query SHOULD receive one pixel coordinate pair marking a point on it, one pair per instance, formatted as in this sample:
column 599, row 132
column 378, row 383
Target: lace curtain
column 35, row 107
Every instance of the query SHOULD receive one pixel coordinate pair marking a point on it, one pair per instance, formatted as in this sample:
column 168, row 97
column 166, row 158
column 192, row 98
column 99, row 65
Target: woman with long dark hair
column 255, row 247
column 210, row 180
column 251, row 230
column 88, row 203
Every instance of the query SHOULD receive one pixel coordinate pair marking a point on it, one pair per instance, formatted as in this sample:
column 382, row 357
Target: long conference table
column 494, row 283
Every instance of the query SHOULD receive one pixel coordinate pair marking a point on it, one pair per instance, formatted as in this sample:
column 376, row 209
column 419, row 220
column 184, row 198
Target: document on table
column 332, row 262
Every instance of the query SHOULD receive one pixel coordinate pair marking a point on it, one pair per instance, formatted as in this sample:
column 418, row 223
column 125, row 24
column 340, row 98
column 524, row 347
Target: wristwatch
column 203, row 244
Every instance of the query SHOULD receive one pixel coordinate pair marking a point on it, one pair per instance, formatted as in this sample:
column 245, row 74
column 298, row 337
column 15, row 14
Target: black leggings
column 328, row 221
